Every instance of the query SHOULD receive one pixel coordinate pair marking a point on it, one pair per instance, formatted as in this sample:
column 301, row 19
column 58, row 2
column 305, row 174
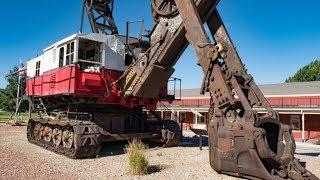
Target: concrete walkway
column 308, row 149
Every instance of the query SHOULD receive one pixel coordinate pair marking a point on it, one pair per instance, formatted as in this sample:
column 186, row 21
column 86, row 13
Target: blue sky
column 274, row 38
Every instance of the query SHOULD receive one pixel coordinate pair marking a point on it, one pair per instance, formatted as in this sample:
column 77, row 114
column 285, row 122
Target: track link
column 74, row 139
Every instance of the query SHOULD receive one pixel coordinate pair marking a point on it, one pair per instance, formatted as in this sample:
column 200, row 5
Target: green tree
column 310, row 72
column 9, row 94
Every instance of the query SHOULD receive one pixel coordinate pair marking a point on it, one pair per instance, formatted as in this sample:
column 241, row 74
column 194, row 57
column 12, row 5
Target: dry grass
column 8, row 116
column 138, row 163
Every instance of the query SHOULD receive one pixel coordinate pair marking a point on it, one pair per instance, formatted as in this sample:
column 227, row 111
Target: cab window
column 38, row 64
column 70, row 53
column 61, row 55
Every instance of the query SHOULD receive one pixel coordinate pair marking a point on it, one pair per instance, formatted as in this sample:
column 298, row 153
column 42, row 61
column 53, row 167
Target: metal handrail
column 91, row 62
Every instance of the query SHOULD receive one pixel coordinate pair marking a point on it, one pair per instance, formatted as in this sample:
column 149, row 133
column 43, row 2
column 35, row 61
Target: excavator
column 242, row 143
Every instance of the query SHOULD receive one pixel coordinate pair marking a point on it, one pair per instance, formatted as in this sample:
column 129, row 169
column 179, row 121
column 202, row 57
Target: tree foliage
column 310, row 72
column 9, row 94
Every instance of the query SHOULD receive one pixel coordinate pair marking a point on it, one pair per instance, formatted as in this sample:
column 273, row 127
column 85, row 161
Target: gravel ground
column 22, row 160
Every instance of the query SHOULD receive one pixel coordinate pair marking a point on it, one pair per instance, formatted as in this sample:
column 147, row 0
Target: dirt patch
column 22, row 160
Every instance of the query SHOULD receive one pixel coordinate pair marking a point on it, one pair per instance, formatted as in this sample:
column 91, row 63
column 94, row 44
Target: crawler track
column 81, row 139
column 74, row 139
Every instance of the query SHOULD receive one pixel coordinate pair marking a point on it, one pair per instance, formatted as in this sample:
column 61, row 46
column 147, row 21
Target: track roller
column 75, row 139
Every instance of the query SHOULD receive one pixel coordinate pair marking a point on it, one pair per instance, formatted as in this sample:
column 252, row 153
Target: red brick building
column 297, row 104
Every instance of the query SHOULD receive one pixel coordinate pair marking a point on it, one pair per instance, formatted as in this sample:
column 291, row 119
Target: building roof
column 269, row 90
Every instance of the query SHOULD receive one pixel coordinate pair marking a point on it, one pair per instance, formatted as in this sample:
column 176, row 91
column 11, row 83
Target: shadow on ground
column 193, row 141
column 310, row 154
column 118, row 148
column 112, row 148
column 156, row 168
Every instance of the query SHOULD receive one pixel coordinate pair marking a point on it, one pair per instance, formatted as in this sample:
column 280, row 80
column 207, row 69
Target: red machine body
column 76, row 88
column 70, row 80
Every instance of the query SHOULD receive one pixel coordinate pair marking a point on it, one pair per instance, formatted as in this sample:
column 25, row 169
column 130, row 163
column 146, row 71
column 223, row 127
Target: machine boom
column 241, row 141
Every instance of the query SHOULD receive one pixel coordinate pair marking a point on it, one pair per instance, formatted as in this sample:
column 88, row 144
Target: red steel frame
column 70, row 80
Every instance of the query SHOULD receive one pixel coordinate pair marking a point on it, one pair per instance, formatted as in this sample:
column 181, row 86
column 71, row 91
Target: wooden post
column 196, row 120
column 161, row 114
column 200, row 141
column 303, row 126
column 17, row 100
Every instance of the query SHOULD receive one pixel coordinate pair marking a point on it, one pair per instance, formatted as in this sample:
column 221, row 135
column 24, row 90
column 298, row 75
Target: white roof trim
column 196, row 110
column 294, row 95
column 69, row 38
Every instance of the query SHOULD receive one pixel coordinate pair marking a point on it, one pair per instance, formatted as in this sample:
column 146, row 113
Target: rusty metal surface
column 167, row 43
column 84, row 142
column 79, row 134
column 171, row 133
column 241, row 142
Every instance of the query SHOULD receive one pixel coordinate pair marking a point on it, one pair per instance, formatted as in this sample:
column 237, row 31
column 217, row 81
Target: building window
column 183, row 116
column 202, row 119
column 38, row 63
column 295, row 120
column 61, row 55
column 166, row 115
column 70, row 53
